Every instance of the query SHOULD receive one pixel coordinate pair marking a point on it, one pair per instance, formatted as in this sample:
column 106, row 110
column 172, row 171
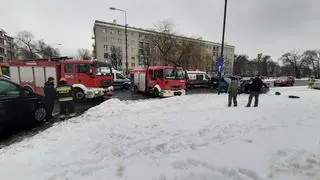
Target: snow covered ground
column 191, row 137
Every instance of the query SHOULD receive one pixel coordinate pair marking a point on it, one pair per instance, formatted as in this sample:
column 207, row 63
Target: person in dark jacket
column 49, row 96
column 255, row 89
column 65, row 97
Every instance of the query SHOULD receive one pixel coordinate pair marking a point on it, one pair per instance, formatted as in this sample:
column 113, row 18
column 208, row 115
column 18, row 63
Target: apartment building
column 107, row 35
column 5, row 46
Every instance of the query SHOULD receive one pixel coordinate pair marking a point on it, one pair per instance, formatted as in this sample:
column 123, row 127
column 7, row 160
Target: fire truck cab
column 89, row 78
column 161, row 81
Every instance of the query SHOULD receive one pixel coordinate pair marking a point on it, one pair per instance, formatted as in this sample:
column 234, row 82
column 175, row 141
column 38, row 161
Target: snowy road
column 189, row 137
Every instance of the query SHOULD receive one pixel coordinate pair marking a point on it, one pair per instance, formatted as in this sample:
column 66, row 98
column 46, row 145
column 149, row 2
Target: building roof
column 102, row 23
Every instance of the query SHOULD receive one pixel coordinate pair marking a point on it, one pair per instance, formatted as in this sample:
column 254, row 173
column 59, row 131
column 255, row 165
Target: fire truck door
column 69, row 73
column 83, row 72
column 151, row 82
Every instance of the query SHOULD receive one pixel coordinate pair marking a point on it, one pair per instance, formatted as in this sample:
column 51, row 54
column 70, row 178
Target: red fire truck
column 89, row 78
column 161, row 81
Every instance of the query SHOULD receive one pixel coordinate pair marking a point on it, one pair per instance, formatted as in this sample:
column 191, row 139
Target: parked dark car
column 19, row 106
column 120, row 81
column 245, row 87
column 214, row 83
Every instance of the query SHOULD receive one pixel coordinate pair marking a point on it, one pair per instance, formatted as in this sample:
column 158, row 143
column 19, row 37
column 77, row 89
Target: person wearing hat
column 49, row 96
column 65, row 98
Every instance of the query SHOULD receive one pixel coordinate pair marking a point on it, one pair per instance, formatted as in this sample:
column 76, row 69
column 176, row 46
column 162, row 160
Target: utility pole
column 126, row 35
column 223, row 33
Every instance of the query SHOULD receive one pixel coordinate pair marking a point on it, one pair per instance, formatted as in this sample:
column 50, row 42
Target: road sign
column 219, row 64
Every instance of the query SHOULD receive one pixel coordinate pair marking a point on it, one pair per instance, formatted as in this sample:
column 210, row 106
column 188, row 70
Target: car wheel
column 40, row 114
column 126, row 86
column 79, row 94
column 28, row 89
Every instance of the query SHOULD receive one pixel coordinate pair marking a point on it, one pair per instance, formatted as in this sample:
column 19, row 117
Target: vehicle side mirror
column 27, row 92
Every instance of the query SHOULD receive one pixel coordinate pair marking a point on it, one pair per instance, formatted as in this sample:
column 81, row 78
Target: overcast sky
column 268, row 26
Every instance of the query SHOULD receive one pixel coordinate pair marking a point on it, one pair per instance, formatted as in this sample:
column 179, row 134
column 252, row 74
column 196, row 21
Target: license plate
column 177, row 93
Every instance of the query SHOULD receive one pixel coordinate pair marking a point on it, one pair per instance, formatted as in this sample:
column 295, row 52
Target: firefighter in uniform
column 65, row 98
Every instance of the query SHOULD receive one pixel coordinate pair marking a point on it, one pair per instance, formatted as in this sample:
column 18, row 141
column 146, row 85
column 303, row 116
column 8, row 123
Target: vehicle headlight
column 96, row 92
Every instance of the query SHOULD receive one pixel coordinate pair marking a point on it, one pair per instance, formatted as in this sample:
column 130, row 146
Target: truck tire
column 40, row 114
column 156, row 92
column 79, row 94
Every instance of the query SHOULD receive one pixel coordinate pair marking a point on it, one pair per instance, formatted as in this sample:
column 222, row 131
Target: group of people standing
column 64, row 93
column 254, row 88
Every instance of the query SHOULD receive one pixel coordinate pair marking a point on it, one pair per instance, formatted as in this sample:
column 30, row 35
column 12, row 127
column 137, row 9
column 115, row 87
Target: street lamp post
column 223, row 32
column 126, row 34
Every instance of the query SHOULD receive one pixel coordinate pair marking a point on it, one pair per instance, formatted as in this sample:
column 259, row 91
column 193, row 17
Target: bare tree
column 175, row 50
column 28, row 48
column 46, row 51
column 273, row 68
column 116, row 57
column 264, row 65
column 295, row 60
column 240, row 64
column 163, row 40
column 26, row 45
column 312, row 58
column 84, row 53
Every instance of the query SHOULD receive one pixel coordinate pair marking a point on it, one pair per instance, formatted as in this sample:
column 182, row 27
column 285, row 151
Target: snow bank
column 190, row 137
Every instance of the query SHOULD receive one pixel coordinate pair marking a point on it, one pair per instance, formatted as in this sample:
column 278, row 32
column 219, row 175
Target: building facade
column 6, row 46
column 108, row 36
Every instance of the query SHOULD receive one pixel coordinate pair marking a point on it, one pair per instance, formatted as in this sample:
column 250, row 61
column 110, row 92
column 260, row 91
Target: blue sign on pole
column 219, row 64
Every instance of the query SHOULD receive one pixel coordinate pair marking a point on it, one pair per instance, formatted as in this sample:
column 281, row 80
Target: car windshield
column 174, row 74
column 102, row 71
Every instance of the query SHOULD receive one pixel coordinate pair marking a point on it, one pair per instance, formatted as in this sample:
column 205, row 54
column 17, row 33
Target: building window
column 119, row 32
column 141, row 44
column 105, row 47
column 214, row 53
column 132, row 57
column 133, row 64
column 105, row 55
